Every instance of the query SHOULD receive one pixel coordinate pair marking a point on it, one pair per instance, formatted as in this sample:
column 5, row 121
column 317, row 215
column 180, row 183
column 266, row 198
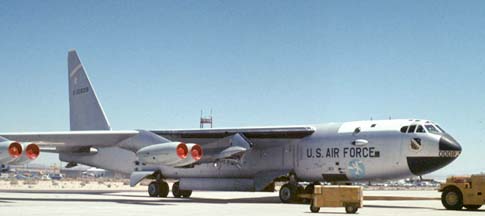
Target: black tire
column 287, row 193
column 472, row 207
column 153, row 189
column 186, row 193
column 177, row 193
column 309, row 189
column 313, row 208
column 176, row 190
column 452, row 199
column 351, row 209
column 164, row 189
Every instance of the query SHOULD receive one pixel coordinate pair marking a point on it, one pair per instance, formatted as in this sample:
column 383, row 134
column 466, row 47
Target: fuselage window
column 432, row 129
column 411, row 128
column 404, row 129
column 420, row 129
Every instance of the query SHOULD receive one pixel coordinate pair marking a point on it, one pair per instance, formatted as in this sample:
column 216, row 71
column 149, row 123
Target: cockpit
column 430, row 147
column 427, row 127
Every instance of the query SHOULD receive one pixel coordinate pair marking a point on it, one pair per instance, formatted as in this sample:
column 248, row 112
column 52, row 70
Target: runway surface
column 119, row 203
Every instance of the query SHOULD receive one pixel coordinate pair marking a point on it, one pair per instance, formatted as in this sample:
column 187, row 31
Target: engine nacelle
column 194, row 156
column 32, row 152
column 170, row 154
column 9, row 150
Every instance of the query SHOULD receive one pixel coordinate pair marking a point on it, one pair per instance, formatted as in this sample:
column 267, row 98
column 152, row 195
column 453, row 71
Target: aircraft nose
column 449, row 150
column 447, row 143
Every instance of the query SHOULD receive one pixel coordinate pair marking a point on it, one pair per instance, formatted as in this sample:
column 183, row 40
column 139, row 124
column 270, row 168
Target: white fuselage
column 335, row 152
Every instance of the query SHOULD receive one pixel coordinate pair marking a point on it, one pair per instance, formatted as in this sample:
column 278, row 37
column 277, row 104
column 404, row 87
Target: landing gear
column 287, row 193
column 309, row 189
column 177, row 193
column 291, row 191
column 153, row 189
column 158, row 189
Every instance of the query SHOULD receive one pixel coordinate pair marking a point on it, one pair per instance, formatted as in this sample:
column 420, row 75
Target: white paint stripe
column 75, row 70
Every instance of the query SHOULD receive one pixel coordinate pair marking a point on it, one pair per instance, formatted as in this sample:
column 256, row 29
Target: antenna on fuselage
column 205, row 120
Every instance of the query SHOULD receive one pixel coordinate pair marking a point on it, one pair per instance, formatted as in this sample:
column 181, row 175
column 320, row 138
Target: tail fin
column 85, row 110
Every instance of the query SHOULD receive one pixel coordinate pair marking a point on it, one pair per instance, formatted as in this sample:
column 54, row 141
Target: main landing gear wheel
column 288, row 193
column 452, row 199
column 156, row 189
column 153, row 189
column 164, row 189
column 177, row 193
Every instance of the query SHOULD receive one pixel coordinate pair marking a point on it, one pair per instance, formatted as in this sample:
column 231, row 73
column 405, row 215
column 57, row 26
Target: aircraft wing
column 217, row 144
column 259, row 137
column 72, row 139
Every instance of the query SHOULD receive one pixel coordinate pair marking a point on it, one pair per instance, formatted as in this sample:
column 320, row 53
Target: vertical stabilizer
column 85, row 110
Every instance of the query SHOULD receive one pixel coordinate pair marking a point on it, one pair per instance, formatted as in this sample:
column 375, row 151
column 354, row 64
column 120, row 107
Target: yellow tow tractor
column 463, row 191
column 350, row 197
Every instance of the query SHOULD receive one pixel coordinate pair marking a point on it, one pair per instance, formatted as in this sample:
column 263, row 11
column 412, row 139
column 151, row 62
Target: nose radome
column 447, row 143
column 449, row 150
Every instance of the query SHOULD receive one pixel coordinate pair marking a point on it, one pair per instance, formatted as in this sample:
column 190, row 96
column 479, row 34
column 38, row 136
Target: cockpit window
column 441, row 129
column 420, row 129
column 404, row 129
column 411, row 128
column 432, row 129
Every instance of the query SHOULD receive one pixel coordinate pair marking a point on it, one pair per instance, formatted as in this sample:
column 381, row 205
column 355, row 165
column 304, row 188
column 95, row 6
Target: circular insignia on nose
column 415, row 144
column 356, row 169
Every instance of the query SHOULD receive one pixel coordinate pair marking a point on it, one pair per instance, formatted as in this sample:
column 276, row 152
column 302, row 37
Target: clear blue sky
column 156, row 64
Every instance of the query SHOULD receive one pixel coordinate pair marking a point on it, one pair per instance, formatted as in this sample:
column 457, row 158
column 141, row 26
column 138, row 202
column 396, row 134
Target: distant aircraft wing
column 70, row 140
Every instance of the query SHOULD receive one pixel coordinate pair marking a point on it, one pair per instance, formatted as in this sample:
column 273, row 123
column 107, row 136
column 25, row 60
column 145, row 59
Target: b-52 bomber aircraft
column 244, row 159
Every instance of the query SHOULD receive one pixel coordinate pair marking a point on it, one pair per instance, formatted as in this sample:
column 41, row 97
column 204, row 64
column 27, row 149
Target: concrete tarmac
column 120, row 203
